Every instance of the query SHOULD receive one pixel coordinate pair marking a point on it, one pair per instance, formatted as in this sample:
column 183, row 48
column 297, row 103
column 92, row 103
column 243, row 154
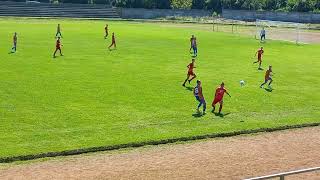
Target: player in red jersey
column 190, row 73
column 58, row 48
column 267, row 78
column 106, row 29
column 15, row 40
column 113, row 42
column 218, row 97
column 259, row 53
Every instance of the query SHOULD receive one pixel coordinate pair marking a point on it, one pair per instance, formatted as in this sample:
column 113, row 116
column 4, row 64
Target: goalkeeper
column 263, row 34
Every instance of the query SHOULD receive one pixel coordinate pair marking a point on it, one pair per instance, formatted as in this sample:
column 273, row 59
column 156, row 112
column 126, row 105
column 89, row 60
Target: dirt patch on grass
column 285, row 34
column 225, row 158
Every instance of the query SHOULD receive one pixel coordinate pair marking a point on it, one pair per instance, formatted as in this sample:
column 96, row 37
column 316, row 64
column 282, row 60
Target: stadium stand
column 22, row 9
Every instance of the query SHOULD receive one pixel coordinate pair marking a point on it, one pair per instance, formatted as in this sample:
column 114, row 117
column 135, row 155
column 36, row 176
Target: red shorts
column 259, row 58
column 217, row 100
column 58, row 48
column 191, row 73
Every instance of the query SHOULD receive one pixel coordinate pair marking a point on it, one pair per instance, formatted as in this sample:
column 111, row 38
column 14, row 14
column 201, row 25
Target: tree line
column 215, row 5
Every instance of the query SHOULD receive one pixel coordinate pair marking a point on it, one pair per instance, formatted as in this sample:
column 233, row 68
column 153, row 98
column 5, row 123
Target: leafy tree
column 163, row 4
column 181, row 4
column 215, row 5
column 198, row 4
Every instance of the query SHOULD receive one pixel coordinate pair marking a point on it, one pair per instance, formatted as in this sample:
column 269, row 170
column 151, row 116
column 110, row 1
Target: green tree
column 181, row 4
column 198, row 4
column 301, row 5
column 215, row 5
column 163, row 4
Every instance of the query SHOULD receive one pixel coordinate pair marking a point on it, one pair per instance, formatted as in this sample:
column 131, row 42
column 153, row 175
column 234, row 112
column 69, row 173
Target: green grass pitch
column 95, row 97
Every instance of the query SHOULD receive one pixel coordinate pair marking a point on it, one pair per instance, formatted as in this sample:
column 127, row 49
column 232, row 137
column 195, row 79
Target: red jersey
column 58, row 44
column 190, row 66
column 260, row 52
column 220, row 92
column 268, row 73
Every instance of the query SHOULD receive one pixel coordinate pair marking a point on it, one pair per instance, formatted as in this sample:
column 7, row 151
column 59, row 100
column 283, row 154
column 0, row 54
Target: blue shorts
column 268, row 79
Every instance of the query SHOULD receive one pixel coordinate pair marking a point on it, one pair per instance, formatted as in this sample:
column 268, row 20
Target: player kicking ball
column 197, row 92
column 268, row 78
column 15, row 40
column 58, row 48
column 218, row 97
column 106, row 29
column 114, row 44
column 259, row 53
column 190, row 73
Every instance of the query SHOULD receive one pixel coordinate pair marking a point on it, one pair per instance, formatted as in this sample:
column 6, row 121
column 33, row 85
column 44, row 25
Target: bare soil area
column 225, row 158
column 305, row 36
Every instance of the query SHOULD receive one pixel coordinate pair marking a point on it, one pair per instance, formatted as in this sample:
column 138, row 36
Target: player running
column 58, row 48
column 263, row 34
column 106, row 29
column 197, row 92
column 194, row 46
column 15, row 40
column 58, row 31
column 267, row 77
column 190, row 73
column 218, row 97
column 113, row 42
column 259, row 53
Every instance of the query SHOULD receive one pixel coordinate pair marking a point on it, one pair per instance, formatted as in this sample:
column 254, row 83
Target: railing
column 282, row 175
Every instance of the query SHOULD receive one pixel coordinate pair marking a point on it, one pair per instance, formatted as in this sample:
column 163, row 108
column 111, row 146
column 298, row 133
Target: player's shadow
column 189, row 88
column 197, row 115
column 268, row 89
column 221, row 114
column 11, row 52
column 260, row 69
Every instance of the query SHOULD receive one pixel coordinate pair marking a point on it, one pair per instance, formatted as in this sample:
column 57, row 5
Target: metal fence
column 283, row 175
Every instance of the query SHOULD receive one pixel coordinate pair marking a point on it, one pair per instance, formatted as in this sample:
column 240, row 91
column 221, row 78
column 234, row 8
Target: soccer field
column 95, row 97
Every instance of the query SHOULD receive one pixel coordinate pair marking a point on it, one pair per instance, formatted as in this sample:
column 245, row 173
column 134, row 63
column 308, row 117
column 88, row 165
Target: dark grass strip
column 146, row 143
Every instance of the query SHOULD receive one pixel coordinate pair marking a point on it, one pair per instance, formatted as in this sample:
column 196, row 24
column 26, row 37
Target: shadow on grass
column 197, row 115
column 189, row 88
column 260, row 69
column 221, row 114
column 268, row 90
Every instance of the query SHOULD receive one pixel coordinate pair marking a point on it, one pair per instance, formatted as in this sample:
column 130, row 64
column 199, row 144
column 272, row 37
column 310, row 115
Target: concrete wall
column 273, row 16
column 130, row 13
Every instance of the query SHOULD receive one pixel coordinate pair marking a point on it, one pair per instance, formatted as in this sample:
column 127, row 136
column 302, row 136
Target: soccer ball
column 242, row 83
